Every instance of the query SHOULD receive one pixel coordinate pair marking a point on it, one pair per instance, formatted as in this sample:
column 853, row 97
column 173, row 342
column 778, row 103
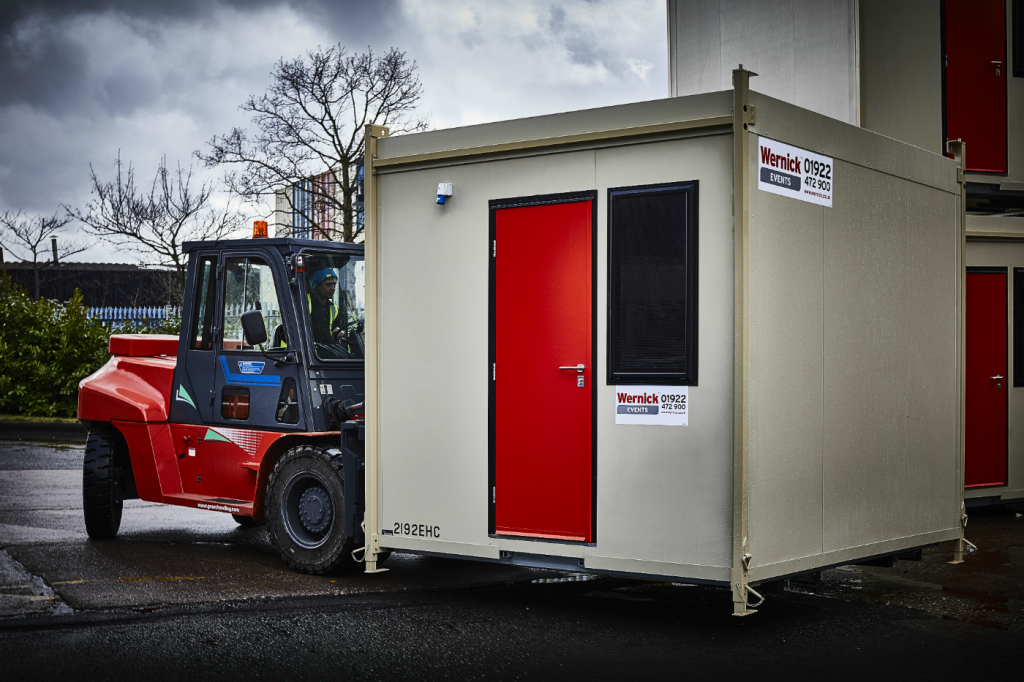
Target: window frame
column 688, row 375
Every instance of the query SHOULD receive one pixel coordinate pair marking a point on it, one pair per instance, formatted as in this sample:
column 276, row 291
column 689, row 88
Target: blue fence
column 151, row 317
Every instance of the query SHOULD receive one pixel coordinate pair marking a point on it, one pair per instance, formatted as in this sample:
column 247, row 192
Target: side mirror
column 253, row 327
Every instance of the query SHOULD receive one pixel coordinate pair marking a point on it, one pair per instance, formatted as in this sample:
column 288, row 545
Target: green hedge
column 46, row 348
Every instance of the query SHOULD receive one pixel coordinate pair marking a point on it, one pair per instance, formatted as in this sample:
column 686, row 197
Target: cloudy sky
column 83, row 79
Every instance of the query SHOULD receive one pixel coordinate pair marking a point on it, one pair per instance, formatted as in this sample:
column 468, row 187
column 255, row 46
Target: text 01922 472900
column 652, row 405
column 793, row 172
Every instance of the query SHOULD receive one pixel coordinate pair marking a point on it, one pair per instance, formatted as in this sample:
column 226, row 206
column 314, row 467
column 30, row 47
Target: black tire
column 102, row 502
column 246, row 521
column 305, row 505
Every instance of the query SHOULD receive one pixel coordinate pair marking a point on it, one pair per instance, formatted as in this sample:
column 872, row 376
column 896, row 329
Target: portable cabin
column 709, row 339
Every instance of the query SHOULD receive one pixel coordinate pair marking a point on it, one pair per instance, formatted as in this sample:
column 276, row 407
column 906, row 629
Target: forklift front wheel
column 101, row 494
column 305, row 503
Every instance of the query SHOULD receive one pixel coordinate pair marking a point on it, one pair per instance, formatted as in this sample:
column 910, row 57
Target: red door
column 976, row 81
column 542, row 405
column 986, row 379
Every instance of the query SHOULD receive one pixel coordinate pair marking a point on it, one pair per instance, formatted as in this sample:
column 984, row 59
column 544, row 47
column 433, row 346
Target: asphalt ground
column 187, row 594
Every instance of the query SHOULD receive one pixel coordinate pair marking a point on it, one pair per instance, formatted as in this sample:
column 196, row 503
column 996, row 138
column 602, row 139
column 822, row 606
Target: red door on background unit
column 542, row 404
column 976, row 81
column 986, row 380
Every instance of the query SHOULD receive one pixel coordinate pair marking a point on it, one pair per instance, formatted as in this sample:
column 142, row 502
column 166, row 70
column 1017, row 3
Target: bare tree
column 25, row 238
column 309, row 131
column 156, row 223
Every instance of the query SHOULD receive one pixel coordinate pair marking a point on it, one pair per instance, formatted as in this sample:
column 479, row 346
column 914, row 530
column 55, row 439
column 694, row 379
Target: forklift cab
column 310, row 298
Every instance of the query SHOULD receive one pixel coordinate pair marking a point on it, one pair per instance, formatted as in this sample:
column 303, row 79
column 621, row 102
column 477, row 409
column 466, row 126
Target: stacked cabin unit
column 926, row 73
column 710, row 339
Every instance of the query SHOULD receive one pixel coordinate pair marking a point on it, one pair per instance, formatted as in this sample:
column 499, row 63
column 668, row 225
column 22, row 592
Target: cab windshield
column 333, row 296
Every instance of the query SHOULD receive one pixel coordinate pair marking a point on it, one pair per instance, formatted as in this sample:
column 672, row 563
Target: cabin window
column 234, row 402
column 652, row 284
column 248, row 285
column 202, row 323
column 288, row 403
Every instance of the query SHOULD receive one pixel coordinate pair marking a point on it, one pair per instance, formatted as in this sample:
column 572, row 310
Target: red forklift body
column 204, row 416
column 135, row 384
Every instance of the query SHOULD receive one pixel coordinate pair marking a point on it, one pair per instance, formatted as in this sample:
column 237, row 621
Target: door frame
column 193, row 286
column 495, row 205
column 284, row 298
column 1008, row 377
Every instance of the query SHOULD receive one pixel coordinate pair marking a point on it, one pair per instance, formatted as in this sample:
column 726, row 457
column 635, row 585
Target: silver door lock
column 579, row 381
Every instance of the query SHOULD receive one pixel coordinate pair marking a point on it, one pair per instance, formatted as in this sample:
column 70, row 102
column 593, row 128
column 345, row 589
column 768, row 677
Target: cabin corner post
column 958, row 148
column 742, row 117
column 371, row 522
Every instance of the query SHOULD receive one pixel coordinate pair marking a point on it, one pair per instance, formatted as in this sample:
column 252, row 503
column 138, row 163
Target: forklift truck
column 242, row 413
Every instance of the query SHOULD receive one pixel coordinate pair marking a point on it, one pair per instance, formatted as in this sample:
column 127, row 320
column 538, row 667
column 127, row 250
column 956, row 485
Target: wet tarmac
column 185, row 593
column 165, row 555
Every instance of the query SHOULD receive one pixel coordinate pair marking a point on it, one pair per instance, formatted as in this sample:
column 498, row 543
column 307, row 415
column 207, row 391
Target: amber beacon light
column 259, row 229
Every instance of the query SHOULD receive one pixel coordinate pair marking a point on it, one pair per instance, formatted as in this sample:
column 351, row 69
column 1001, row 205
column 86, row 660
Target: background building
column 302, row 208
column 102, row 284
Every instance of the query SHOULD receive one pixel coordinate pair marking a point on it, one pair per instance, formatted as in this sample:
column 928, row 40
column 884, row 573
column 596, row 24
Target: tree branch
column 310, row 123
column 159, row 221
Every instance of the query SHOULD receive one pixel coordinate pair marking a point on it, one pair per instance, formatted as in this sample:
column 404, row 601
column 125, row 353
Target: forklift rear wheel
column 305, row 503
column 101, row 494
column 246, row 521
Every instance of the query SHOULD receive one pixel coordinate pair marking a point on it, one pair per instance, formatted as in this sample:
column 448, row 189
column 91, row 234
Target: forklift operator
column 323, row 312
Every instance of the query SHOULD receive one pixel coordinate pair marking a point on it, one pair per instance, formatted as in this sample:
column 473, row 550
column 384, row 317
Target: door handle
column 999, row 381
column 998, row 66
column 579, row 368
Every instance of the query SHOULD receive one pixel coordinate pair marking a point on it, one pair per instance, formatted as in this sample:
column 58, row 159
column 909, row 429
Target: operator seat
column 279, row 339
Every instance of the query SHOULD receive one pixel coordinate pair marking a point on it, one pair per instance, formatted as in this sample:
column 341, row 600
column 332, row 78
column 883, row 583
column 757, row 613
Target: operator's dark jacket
column 322, row 319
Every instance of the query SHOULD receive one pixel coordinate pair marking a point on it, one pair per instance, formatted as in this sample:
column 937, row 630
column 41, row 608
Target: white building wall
column 805, row 51
column 281, row 221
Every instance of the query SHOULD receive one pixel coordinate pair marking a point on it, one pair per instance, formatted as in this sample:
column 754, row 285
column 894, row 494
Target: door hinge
column 494, row 494
column 494, row 251
column 494, row 372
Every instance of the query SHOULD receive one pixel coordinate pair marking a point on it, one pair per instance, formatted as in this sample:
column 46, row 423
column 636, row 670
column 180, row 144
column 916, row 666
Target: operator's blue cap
column 320, row 276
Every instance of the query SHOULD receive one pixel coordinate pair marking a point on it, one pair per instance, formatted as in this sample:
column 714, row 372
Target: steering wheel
column 331, row 350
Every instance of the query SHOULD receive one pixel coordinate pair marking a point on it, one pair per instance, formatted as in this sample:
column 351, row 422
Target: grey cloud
column 359, row 12
column 583, row 46
column 43, row 68
column 160, row 77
